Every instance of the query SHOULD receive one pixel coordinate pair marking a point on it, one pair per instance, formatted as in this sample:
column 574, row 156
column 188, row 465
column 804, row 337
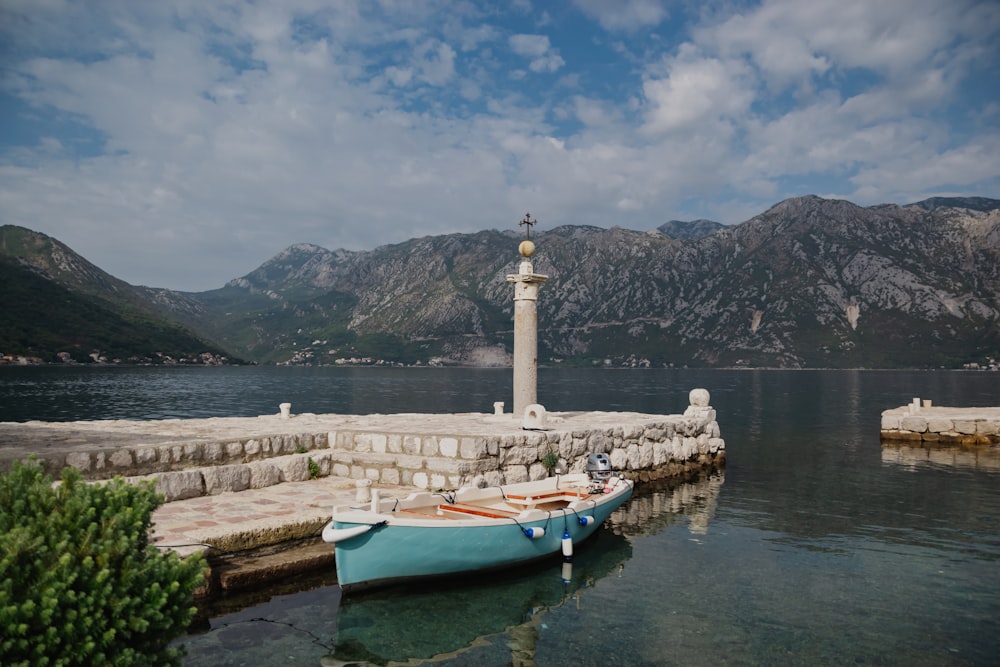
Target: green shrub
column 79, row 582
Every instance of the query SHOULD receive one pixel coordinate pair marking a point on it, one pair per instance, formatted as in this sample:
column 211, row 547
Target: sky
column 182, row 143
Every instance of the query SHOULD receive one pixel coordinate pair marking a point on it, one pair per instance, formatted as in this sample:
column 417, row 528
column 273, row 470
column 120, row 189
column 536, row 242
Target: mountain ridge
column 810, row 282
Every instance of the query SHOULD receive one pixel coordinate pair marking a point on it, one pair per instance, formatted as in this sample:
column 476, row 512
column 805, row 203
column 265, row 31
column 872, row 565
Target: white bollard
column 498, row 408
column 286, row 410
column 534, row 418
column 364, row 493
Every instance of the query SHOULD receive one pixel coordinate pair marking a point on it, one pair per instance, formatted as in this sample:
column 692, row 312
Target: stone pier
column 921, row 421
column 194, row 457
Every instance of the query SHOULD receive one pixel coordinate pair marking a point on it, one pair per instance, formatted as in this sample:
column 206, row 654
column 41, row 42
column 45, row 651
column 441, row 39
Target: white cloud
column 696, row 90
column 625, row 14
column 216, row 134
column 538, row 49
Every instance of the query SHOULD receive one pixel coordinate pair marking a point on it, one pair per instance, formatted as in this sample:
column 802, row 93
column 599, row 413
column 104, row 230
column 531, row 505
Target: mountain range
column 810, row 282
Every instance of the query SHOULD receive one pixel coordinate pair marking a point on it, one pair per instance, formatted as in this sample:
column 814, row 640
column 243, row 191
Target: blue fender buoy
column 586, row 520
column 534, row 533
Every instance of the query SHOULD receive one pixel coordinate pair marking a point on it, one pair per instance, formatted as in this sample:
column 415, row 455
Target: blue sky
column 181, row 143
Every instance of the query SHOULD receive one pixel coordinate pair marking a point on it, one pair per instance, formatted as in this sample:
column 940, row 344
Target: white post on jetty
column 526, row 283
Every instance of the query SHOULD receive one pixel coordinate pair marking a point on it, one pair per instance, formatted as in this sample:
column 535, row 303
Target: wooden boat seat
column 564, row 495
column 475, row 510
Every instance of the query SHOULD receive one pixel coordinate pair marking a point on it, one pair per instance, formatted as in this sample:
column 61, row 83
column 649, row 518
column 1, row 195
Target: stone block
column 429, row 446
column 390, row 476
column 598, row 443
column 395, row 444
column 619, row 459
column 473, row 448
column 234, row 451
column 913, row 424
column 79, row 460
column 965, row 427
column 290, row 444
column 986, row 427
column 251, row 448
column 645, row 458
column 939, row 425
column 180, row 485
column 633, row 457
column 537, row 471
column 294, row 468
column 411, row 444
column 263, row 474
column 654, row 434
column 689, row 448
column 514, row 474
column 420, row 480
column 522, row 455
column 121, row 458
column 225, row 479
column 341, row 470
column 145, row 456
column 448, row 447
column 379, row 443
column 214, row 452
column 193, row 451
column 890, row 422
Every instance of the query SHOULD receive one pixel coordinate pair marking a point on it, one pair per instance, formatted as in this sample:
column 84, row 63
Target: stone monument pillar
column 526, row 283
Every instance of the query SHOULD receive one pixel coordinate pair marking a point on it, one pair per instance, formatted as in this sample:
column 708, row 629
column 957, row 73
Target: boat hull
column 392, row 550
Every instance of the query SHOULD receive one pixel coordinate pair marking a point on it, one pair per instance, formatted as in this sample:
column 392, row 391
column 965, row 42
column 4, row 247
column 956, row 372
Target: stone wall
column 426, row 452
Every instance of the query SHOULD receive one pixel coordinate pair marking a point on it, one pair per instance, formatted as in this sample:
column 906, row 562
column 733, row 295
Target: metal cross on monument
column 528, row 223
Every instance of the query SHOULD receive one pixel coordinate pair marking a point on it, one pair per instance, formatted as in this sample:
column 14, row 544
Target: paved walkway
column 232, row 522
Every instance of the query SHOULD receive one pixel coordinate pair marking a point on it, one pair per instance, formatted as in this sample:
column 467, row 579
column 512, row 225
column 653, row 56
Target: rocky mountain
column 59, row 306
column 689, row 229
column 810, row 282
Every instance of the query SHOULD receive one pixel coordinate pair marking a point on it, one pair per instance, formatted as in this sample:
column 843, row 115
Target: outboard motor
column 599, row 467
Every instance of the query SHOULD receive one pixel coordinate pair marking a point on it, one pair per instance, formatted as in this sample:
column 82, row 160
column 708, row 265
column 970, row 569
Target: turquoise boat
column 472, row 530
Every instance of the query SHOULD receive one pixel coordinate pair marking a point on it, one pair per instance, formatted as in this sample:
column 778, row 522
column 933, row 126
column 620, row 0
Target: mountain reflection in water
column 439, row 621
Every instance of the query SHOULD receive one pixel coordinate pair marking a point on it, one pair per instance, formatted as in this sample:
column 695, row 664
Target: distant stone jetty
column 922, row 421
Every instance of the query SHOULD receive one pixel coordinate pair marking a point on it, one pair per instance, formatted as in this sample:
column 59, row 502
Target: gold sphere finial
column 527, row 248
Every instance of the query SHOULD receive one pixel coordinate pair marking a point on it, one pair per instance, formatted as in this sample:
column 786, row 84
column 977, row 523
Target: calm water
column 816, row 545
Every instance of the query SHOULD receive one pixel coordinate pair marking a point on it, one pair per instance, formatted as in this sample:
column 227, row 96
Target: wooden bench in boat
column 564, row 495
column 476, row 510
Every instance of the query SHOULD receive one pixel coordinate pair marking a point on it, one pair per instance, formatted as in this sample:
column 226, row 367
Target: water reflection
column 437, row 622
column 666, row 503
column 957, row 456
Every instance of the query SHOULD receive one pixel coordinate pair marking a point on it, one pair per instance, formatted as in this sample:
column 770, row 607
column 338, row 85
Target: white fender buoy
column 333, row 535
column 586, row 520
column 567, row 545
column 567, row 572
column 534, row 533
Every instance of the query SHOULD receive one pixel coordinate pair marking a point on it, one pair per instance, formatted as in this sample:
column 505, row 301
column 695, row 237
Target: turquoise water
column 817, row 545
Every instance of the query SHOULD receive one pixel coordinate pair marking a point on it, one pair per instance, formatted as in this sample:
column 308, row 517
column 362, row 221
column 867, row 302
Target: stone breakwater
column 195, row 457
column 922, row 421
